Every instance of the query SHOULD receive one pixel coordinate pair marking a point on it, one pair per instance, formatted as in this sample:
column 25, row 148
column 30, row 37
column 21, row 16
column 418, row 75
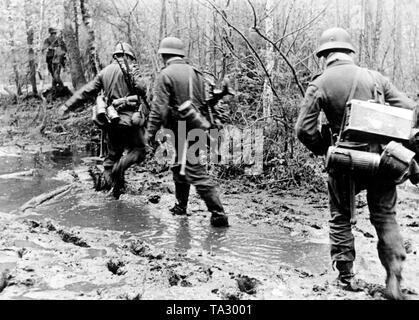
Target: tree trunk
column 397, row 39
column 270, row 62
column 377, row 33
column 13, row 49
column 163, row 21
column 31, row 53
column 176, row 18
column 76, row 68
column 87, row 20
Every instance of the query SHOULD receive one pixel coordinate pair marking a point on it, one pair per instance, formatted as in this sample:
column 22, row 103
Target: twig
column 294, row 72
column 284, row 119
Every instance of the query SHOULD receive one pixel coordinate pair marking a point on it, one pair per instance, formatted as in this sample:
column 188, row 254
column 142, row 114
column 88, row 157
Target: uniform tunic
column 171, row 90
column 330, row 93
column 122, row 135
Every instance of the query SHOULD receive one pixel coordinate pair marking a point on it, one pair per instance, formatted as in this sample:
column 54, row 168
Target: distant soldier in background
column 123, row 88
column 55, row 56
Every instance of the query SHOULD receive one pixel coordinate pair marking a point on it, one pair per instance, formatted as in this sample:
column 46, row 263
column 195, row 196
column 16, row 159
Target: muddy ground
column 45, row 256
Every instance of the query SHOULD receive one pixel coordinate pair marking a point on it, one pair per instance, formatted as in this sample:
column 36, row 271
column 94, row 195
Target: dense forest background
column 265, row 46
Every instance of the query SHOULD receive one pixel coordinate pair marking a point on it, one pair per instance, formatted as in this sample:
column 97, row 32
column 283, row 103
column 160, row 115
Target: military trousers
column 120, row 138
column 196, row 175
column 54, row 69
column 381, row 198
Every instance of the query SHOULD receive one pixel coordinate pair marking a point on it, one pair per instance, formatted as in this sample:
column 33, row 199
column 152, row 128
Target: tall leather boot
column 182, row 196
column 209, row 194
column 394, row 267
column 346, row 279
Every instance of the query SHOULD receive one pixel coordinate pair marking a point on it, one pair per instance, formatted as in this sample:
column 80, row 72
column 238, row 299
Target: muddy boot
column 182, row 197
column 394, row 278
column 179, row 210
column 118, row 187
column 219, row 219
column 95, row 174
column 106, row 180
column 346, row 279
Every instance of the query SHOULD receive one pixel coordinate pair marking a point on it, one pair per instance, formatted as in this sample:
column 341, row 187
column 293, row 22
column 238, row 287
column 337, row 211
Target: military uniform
column 55, row 57
column 172, row 89
column 122, row 135
column 329, row 93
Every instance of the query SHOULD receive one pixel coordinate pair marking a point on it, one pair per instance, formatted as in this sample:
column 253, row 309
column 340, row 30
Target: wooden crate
column 367, row 120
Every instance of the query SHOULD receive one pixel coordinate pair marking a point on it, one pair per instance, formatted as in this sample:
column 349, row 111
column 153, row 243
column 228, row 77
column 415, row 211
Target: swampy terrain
column 60, row 239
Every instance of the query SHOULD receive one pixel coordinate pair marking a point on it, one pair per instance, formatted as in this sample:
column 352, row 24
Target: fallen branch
column 37, row 201
column 17, row 175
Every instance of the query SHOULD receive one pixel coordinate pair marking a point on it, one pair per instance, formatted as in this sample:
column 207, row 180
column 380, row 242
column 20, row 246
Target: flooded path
column 242, row 242
column 85, row 245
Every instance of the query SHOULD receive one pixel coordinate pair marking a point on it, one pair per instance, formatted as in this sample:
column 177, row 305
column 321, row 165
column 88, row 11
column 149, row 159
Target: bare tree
column 13, row 48
column 163, row 21
column 87, row 20
column 76, row 69
column 267, row 100
column 30, row 39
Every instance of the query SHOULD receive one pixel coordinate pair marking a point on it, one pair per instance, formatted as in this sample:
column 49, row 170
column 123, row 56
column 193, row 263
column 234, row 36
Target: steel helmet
column 172, row 45
column 334, row 38
column 123, row 47
column 52, row 30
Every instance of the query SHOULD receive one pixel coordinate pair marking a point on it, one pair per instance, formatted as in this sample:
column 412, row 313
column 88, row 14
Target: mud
column 45, row 254
column 82, row 244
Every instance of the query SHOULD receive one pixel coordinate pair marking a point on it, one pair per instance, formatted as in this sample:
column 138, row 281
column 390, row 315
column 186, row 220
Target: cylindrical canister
column 112, row 113
column 99, row 112
column 352, row 161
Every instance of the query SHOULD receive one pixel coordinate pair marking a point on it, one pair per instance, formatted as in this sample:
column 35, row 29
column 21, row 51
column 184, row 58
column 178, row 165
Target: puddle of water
column 28, row 244
column 7, row 266
column 242, row 242
column 8, row 260
column 15, row 192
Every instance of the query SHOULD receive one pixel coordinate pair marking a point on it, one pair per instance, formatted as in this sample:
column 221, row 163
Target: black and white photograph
column 221, row 151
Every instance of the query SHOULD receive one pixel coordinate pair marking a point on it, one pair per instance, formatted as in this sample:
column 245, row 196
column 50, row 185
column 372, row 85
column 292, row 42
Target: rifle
column 128, row 78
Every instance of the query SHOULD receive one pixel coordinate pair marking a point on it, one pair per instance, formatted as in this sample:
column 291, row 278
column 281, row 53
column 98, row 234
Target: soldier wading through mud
column 341, row 82
column 124, row 123
column 177, row 100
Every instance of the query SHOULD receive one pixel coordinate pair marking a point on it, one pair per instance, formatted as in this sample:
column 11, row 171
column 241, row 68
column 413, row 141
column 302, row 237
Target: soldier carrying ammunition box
column 358, row 165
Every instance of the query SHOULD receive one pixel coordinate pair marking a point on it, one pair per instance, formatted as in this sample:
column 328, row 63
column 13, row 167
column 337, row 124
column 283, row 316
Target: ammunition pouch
column 126, row 104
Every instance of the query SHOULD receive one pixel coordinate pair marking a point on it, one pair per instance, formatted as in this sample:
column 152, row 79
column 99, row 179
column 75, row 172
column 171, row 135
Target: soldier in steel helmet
column 177, row 83
column 56, row 50
column 124, row 88
column 330, row 93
